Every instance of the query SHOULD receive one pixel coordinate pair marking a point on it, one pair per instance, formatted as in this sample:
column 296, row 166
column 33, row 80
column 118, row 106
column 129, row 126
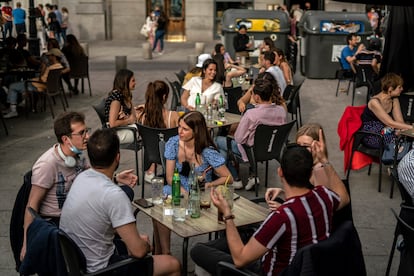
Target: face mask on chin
column 74, row 149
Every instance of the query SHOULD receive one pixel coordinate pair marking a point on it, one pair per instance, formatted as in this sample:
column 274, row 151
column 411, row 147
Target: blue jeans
column 159, row 36
column 221, row 143
column 17, row 88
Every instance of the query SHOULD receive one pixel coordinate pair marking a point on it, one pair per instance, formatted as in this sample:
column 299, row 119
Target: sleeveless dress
column 371, row 123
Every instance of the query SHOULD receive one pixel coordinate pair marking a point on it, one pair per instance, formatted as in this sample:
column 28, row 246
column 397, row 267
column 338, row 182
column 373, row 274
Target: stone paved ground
column 30, row 137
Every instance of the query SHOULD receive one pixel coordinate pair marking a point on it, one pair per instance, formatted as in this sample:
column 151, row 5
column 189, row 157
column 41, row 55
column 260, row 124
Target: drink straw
column 227, row 180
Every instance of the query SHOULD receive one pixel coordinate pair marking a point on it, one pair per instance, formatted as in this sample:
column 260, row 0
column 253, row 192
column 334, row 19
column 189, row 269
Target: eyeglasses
column 82, row 133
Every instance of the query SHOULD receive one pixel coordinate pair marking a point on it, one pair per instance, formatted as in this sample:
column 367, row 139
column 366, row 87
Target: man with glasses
column 54, row 171
column 304, row 218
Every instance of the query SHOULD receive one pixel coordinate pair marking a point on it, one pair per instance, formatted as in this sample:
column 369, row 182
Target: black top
column 240, row 41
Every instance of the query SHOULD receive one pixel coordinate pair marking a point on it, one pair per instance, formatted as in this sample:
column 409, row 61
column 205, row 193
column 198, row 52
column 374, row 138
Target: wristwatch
column 228, row 217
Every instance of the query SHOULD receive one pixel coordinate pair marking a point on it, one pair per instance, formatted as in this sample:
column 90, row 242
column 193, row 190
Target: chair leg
column 89, row 84
column 83, row 85
column 337, row 87
column 369, row 169
column 353, row 94
column 392, row 187
column 49, row 100
column 380, row 176
column 300, row 116
column 62, row 99
column 267, row 173
column 349, row 165
column 394, row 243
column 4, row 124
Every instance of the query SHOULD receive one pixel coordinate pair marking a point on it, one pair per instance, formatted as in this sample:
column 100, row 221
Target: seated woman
column 280, row 60
column 118, row 106
column 383, row 110
column 247, row 101
column 204, row 85
column 154, row 114
column 193, row 144
column 233, row 71
column 198, row 69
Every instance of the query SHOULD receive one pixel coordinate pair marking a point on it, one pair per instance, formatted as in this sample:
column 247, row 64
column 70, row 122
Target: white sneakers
column 238, row 185
column 11, row 114
column 148, row 177
column 250, row 183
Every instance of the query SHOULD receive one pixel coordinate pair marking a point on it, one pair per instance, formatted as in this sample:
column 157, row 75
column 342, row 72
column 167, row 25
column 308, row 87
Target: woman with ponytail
column 154, row 113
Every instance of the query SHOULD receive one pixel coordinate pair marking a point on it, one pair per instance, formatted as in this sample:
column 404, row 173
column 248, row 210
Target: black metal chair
column 176, row 94
column 293, row 104
column 269, row 142
column 233, row 95
column 153, row 141
column 135, row 145
column 180, row 76
column 4, row 123
column 79, row 69
column 364, row 77
column 407, row 207
column 344, row 75
column 53, row 88
column 340, row 254
column 359, row 146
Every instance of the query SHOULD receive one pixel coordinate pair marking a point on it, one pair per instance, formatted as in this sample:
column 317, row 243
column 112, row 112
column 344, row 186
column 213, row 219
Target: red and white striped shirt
column 300, row 221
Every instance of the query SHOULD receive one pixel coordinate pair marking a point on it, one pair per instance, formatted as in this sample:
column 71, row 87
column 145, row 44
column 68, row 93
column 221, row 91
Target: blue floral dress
column 210, row 157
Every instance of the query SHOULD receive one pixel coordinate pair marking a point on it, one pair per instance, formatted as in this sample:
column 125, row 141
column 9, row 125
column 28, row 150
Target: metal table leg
column 185, row 249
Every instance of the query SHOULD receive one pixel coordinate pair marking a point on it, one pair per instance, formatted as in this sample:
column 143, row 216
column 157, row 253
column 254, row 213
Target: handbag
column 144, row 30
column 389, row 152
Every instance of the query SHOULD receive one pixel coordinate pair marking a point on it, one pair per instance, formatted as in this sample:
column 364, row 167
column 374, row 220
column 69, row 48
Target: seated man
column 349, row 52
column 267, row 62
column 241, row 42
column 17, row 88
column 406, row 173
column 96, row 208
column 54, row 171
column 304, row 218
column 265, row 113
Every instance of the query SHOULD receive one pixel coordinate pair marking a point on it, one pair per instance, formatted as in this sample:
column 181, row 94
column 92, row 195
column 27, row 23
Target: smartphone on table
column 143, row 203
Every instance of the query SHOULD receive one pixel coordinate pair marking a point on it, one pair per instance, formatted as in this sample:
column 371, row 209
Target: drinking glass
column 227, row 192
column 179, row 210
column 205, row 200
column 157, row 183
column 181, row 110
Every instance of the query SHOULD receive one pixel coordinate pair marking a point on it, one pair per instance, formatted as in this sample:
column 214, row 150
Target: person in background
column 219, row 48
column 154, row 113
column 349, row 52
column 19, row 17
column 119, row 110
column 198, row 69
column 54, row 171
column 371, row 56
column 72, row 51
column 192, row 145
column 6, row 14
column 274, row 244
column 38, row 84
column 205, row 85
column 384, row 111
column 268, row 66
column 96, row 209
column 241, row 42
column 40, row 25
column 31, row 61
column 65, row 23
column 280, row 60
column 266, row 113
column 161, row 25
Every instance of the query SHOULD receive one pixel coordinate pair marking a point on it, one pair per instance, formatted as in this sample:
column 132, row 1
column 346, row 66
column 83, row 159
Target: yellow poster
column 260, row 25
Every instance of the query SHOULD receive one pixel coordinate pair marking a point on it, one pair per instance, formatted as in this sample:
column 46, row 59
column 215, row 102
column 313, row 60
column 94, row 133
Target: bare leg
column 162, row 239
column 166, row 265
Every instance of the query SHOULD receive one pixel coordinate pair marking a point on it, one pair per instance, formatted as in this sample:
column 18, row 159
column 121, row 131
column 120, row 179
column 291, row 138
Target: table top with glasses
column 245, row 211
column 230, row 119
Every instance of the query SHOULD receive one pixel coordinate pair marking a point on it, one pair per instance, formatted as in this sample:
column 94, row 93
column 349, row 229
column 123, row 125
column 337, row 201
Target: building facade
column 189, row 20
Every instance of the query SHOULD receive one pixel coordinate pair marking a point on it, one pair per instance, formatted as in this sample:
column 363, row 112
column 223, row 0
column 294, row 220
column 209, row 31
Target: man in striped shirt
column 304, row 218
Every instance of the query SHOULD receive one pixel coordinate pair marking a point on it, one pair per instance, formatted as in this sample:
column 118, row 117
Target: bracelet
column 115, row 181
column 228, row 217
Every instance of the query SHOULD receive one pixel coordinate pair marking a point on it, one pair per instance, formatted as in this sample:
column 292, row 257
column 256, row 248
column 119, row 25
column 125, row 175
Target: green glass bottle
column 176, row 188
column 194, row 198
column 198, row 101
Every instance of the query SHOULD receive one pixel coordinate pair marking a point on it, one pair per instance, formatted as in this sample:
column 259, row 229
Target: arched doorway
column 175, row 10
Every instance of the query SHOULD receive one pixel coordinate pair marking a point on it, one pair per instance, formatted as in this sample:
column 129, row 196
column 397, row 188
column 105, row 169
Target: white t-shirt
column 194, row 86
column 94, row 207
column 278, row 75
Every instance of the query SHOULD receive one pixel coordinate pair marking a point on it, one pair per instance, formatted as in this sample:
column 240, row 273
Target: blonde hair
column 311, row 130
